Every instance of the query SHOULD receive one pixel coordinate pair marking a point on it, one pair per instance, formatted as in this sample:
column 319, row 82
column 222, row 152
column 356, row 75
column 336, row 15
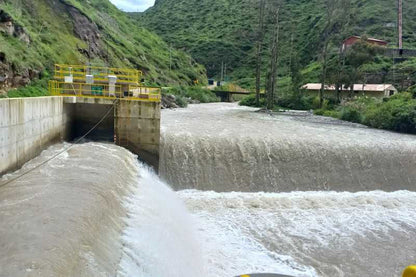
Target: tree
column 338, row 17
column 330, row 7
column 359, row 54
column 259, row 49
column 272, row 76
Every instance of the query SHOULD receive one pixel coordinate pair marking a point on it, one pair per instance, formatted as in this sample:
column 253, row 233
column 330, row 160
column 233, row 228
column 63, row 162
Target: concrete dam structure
column 226, row 147
column 29, row 125
column 95, row 210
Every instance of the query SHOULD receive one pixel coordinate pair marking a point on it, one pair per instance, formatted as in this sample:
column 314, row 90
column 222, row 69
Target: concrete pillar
column 137, row 128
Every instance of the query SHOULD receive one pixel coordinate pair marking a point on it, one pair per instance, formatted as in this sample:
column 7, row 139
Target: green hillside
column 36, row 34
column 213, row 31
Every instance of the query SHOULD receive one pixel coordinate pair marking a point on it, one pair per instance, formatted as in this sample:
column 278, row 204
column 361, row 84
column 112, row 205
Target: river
column 222, row 206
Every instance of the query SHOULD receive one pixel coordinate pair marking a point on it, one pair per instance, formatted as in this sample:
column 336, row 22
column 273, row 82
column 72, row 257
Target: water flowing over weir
column 65, row 218
column 97, row 211
column 224, row 147
column 94, row 211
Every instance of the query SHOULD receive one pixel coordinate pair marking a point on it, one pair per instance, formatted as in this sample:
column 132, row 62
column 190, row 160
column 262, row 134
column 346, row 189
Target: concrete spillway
column 224, row 147
column 94, row 211
column 66, row 218
column 97, row 211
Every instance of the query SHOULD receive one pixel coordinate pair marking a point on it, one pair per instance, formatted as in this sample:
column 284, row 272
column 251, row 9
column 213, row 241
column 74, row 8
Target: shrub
column 250, row 101
column 319, row 112
column 181, row 101
column 350, row 113
column 412, row 90
column 37, row 88
column 397, row 113
column 195, row 93
column 329, row 113
column 332, row 113
column 201, row 94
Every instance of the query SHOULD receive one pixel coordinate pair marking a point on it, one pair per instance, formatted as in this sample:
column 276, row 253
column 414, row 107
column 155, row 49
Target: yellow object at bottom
column 410, row 271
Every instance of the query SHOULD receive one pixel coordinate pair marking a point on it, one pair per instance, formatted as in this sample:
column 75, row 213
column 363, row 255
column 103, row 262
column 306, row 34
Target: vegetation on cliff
column 36, row 34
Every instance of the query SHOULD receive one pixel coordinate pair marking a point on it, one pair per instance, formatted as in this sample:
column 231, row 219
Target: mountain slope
column 213, row 31
column 36, row 34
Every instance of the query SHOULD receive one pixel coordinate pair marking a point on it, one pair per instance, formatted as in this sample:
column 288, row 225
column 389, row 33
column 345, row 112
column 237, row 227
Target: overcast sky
column 133, row 5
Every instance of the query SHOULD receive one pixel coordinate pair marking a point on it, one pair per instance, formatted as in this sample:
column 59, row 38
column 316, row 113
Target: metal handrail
column 131, row 92
column 80, row 72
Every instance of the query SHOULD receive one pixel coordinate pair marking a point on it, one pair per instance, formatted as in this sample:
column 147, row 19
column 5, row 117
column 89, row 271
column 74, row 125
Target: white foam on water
column 305, row 233
column 160, row 239
column 196, row 233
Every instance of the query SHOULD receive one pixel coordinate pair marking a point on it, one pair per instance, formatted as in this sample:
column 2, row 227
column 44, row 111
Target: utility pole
column 400, row 23
column 222, row 71
column 170, row 57
column 271, row 88
column 225, row 72
column 330, row 8
column 259, row 49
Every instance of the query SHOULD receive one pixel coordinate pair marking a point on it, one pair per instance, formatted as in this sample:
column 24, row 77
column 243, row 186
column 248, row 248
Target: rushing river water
column 97, row 211
column 225, row 147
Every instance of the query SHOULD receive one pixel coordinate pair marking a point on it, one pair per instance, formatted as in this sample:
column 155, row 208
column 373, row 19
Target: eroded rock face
column 87, row 31
column 83, row 28
column 11, row 28
column 11, row 78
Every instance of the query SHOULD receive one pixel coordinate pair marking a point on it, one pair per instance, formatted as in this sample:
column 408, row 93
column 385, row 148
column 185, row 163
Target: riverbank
column 396, row 113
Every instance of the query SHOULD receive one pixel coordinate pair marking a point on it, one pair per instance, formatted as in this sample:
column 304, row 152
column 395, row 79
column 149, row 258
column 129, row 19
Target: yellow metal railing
column 100, row 74
column 132, row 92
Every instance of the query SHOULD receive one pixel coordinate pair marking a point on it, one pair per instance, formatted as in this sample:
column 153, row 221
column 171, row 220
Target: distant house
column 347, row 43
column 370, row 90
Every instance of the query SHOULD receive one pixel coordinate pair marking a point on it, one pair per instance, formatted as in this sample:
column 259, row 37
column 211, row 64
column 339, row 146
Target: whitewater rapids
column 94, row 211
column 97, row 211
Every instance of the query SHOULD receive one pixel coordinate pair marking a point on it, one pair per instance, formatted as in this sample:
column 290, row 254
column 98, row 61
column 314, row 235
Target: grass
column 122, row 41
column 36, row 88
column 188, row 94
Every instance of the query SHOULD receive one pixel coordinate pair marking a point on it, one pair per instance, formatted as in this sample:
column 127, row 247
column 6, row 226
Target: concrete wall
column 137, row 128
column 136, row 124
column 29, row 125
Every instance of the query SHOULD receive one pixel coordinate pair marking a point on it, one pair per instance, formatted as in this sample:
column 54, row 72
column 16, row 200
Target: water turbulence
column 160, row 239
column 94, row 211
column 224, row 147
column 306, row 233
column 65, row 218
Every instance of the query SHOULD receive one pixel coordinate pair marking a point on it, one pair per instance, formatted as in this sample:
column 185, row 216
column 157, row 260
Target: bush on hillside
column 398, row 113
column 296, row 102
column 181, row 101
column 36, row 88
column 289, row 102
column 351, row 114
column 412, row 90
column 195, row 93
column 250, row 101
